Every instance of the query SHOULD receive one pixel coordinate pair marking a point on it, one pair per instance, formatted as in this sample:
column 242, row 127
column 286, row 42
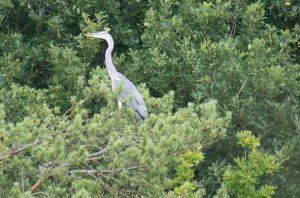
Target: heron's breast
column 116, row 82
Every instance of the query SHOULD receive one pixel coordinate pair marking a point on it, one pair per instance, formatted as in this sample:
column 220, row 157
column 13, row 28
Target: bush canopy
column 220, row 79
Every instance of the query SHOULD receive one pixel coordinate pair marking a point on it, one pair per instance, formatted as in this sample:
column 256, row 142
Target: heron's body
column 129, row 94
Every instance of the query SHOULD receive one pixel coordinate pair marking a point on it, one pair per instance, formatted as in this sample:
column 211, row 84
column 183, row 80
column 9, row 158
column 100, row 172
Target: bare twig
column 17, row 149
column 101, row 152
column 88, row 171
column 242, row 87
column 103, row 183
column 234, row 18
column 96, row 158
column 92, row 171
column 233, row 28
column 41, row 193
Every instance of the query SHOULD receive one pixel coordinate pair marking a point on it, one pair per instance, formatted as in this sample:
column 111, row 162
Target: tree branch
column 242, row 87
column 17, row 149
column 101, row 152
column 41, row 193
column 92, row 171
column 37, row 184
column 49, row 172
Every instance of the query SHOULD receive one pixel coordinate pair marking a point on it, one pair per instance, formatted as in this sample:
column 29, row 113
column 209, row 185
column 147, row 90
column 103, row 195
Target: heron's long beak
column 95, row 35
column 89, row 35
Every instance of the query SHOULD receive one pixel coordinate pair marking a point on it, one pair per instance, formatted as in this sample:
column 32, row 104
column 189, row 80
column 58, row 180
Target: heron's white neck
column 112, row 71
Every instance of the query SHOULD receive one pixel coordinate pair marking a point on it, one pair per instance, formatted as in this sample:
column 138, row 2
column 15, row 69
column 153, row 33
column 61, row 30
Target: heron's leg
column 119, row 104
column 120, row 107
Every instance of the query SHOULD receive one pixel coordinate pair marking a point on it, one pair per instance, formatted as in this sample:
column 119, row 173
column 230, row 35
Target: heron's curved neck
column 112, row 71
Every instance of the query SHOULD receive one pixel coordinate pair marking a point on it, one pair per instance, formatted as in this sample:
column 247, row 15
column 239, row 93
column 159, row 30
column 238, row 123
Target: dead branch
column 17, row 149
column 242, row 87
column 92, row 171
column 49, row 172
column 41, row 193
column 97, row 154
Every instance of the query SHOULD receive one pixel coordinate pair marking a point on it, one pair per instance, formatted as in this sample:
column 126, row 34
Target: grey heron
column 129, row 94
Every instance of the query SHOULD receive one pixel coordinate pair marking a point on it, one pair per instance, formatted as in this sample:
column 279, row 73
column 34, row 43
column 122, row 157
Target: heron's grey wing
column 132, row 97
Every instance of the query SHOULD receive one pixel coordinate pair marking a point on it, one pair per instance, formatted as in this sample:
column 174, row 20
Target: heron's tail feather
column 141, row 111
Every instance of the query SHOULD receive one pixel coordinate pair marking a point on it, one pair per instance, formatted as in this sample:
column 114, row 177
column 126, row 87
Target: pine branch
column 49, row 172
column 17, row 149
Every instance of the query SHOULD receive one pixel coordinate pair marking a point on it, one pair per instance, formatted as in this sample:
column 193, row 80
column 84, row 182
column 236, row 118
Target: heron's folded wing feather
column 132, row 97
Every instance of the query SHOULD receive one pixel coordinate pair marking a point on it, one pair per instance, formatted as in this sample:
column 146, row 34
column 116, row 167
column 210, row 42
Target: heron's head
column 102, row 35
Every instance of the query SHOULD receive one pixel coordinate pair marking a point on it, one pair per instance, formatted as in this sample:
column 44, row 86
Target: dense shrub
column 207, row 70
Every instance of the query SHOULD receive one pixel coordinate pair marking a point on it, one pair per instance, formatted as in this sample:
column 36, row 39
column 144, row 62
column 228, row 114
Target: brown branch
column 37, row 184
column 49, row 172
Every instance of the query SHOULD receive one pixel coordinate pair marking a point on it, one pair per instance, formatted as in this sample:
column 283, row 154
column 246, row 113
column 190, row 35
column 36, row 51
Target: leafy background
column 210, row 72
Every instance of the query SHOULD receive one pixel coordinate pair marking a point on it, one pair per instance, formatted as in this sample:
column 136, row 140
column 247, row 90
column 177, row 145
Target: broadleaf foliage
column 209, row 71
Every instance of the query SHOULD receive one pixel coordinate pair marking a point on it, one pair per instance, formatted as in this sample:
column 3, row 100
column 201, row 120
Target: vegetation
column 210, row 72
